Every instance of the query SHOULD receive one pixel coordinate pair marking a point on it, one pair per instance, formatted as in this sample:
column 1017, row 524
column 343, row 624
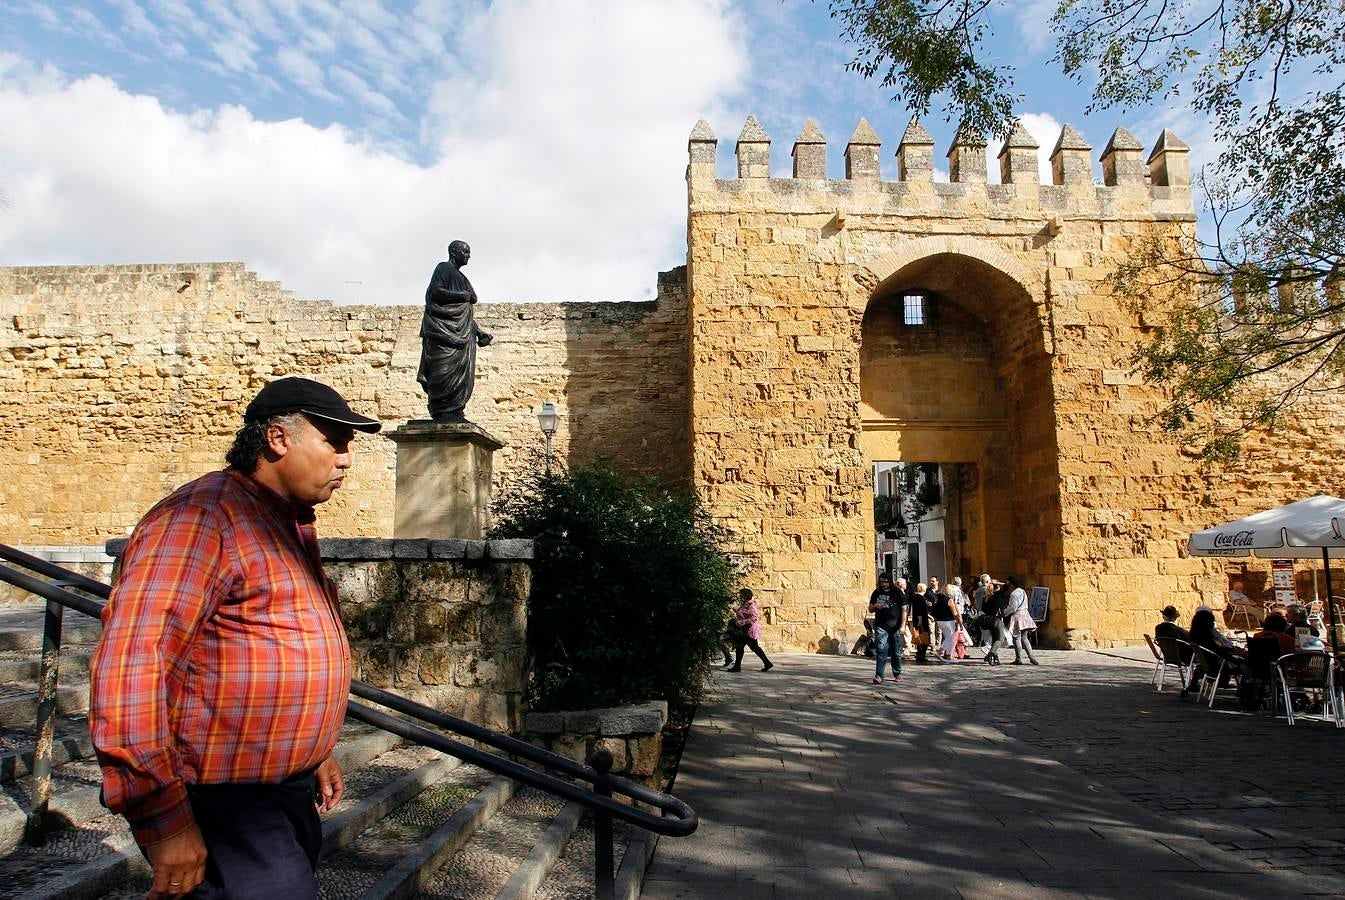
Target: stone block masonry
column 771, row 373
column 441, row 622
column 806, row 372
column 118, row 383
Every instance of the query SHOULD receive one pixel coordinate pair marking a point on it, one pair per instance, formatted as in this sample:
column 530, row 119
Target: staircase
column 414, row 822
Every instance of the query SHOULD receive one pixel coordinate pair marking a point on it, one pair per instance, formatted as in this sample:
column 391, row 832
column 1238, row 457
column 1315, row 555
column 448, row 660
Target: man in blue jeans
column 887, row 605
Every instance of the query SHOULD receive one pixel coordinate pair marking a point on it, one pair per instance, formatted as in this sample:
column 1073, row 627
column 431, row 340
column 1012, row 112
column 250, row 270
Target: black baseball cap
column 312, row 398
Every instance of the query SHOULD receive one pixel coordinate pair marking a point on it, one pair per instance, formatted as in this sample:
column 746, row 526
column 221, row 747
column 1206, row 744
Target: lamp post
column 548, row 419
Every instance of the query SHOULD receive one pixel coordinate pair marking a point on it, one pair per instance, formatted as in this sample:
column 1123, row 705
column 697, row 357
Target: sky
column 338, row 145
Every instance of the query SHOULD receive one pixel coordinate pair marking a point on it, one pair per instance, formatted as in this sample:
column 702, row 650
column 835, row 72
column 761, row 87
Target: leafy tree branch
column 1262, row 297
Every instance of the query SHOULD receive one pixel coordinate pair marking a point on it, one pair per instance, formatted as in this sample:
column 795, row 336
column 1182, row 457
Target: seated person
column 1168, row 628
column 1276, row 627
column 1297, row 616
column 1241, row 612
column 1204, row 634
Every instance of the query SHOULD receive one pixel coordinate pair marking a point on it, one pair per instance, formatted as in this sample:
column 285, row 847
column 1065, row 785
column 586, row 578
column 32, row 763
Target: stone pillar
column 443, row 480
column 966, row 158
column 1169, row 163
column 701, row 147
column 1121, row 163
column 861, row 153
column 810, row 152
column 915, row 154
column 1018, row 158
column 1070, row 162
column 754, row 150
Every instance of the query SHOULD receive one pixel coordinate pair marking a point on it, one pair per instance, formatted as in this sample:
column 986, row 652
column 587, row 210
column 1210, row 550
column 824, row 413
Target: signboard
column 1038, row 603
column 1282, row 576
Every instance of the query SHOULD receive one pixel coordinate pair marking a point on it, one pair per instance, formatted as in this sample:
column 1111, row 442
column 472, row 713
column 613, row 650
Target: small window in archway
column 914, row 310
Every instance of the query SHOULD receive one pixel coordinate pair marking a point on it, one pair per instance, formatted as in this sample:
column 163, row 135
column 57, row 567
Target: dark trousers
column 756, row 648
column 262, row 840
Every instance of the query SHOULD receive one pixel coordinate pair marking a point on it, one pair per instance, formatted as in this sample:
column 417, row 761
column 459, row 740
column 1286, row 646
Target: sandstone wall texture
column 117, row 383
column 443, row 622
column 804, row 374
column 771, row 373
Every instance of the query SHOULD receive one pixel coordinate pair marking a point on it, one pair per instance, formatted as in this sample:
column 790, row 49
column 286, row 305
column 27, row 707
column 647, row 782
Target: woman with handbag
column 1021, row 624
column 746, row 631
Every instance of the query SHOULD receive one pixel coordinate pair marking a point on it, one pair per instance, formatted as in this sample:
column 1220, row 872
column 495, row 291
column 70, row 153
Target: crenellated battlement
column 1132, row 186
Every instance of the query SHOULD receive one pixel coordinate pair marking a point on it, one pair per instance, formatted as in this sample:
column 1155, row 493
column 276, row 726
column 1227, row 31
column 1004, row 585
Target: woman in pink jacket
column 747, row 631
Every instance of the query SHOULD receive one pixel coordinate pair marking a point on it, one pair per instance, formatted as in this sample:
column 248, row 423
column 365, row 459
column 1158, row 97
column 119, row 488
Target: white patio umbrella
column 1302, row 530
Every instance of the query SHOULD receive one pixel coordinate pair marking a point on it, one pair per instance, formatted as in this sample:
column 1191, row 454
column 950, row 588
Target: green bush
column 630, row 588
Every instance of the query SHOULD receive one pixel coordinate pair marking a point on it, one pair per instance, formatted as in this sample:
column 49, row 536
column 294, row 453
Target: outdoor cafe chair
column 1260, row 684
column 1309, row 670
column 1250, row 615
column 1173, row 653
column 1211, row 667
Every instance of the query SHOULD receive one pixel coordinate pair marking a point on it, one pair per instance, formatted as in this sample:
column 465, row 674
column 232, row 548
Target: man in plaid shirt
column 220, row 683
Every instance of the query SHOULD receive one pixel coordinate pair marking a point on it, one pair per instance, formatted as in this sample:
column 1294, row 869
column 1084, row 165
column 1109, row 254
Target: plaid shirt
column 222, row 658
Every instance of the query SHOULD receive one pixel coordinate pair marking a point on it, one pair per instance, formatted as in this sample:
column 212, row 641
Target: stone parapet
column 1164, row 193
column 632, row 734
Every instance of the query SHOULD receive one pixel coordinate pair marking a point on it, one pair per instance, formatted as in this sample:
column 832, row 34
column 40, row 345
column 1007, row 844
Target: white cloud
column 566, row 178
column 300, row 69
column 356, row 87
column 1032, row 18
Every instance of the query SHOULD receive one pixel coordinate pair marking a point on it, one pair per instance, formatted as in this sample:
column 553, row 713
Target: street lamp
column 547, row 419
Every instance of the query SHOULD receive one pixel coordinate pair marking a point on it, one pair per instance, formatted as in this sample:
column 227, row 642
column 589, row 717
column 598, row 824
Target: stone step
column 74, row 801
column 98, row 857
column 76, row 784
column 414, row 870
column 484, row 865
column 71, row 741
column 76, row 629
column 22, row 666
column 394, row 850
column 572, row 874
column 532, row 873
column 18, row 702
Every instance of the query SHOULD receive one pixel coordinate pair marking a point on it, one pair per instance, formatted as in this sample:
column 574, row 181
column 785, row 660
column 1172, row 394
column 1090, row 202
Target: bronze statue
column 449, row 337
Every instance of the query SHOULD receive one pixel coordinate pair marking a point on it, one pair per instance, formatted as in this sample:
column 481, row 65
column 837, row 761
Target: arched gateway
column 955, row 372
column 835, row 324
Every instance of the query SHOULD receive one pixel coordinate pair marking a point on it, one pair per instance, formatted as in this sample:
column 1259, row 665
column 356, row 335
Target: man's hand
column 331, row 786
column 179, row 864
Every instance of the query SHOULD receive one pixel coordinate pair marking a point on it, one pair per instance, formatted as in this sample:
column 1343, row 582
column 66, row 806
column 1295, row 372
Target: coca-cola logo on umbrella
column 1233, row 540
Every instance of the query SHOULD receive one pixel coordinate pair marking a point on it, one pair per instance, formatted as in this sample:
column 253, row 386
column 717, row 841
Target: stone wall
column 443, row 622
column 118, row 383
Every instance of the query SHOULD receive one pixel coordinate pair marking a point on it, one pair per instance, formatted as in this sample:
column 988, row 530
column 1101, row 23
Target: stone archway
column 970, row 389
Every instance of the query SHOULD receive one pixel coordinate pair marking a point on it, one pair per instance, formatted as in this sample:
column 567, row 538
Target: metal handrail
column 680, row 819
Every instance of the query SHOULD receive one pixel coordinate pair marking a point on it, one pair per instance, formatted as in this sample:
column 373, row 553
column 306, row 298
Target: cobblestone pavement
column 1073, row 778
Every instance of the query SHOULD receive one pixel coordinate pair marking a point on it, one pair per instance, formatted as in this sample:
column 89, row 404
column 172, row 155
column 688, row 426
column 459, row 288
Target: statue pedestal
column 443, row 480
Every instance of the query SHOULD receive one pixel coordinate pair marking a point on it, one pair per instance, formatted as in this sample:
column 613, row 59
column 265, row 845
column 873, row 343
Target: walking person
column 747, row 618
column 948, row 620
column 958, row 596
column 219, row 686
column 1021, row 624
column 920, row 622
column 980, row 630
column 888, row 608
column 992, row 621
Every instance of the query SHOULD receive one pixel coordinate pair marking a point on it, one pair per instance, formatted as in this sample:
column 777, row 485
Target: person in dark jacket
column 887, row 606
column 920, row 622
column 992, row 619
